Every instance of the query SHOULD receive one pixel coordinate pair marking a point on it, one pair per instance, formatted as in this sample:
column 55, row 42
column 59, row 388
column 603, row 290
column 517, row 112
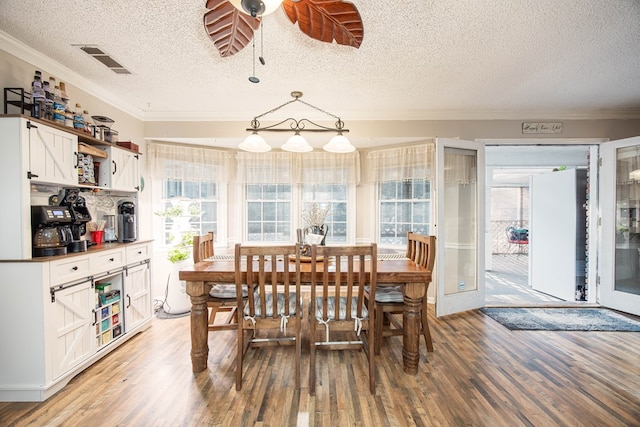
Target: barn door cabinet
column 120, row 171
column 58, row 322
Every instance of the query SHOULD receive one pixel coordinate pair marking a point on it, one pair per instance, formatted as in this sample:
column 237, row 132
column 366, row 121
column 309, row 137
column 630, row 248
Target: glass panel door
column 620, row 274
column 459, row 225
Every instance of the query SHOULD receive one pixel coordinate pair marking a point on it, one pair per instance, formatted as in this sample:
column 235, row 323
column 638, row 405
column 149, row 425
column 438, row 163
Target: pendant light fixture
column 297, row 143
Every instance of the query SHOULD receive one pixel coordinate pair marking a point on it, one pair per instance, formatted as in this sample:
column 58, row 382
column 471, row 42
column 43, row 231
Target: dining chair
column 222, row 297
column 339, row 316
column 274, row 301
column 389, row 300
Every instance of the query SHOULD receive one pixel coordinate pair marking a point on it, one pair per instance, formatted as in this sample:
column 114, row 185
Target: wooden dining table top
column 390, row 271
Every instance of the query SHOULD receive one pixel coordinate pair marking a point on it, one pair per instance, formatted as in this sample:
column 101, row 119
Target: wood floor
column 480, row 374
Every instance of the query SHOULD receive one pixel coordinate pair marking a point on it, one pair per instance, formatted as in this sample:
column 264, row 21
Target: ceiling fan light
column 254, row 143
column 261, row 7
column 297, row 144
column 339, row 144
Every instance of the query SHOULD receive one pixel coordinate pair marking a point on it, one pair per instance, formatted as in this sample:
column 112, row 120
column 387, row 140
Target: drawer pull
column 111, row 259
column 74, row 268
column 139, row 252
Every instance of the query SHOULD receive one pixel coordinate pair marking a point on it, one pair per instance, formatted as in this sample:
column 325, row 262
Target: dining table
column 391, row 271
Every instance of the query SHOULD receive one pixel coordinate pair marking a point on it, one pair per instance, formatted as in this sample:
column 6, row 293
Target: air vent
column 104, row 58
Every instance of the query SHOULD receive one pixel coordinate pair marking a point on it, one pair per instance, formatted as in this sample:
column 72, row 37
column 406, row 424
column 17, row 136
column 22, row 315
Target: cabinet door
column 52, row 155
column 137, row 300
column 69, row 329
column 122, row 173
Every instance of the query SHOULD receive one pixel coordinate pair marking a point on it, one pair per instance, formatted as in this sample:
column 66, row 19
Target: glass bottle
column 48, row 100
column 58, row 106
column 37, row 96
column 78, row 120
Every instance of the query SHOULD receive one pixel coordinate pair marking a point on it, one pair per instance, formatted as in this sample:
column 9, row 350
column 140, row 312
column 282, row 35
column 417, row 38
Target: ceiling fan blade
column 327, row 20
column 229, row 29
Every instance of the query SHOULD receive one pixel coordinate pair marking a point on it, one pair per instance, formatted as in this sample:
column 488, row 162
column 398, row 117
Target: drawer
column 107, row 260
column 137, row 253
column 68, row 270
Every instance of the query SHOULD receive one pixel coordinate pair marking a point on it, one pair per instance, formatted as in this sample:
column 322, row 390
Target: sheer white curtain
column 264, row 168
column 460, row 166
column 401, row 163
column 179, row 162
column 327, row 168
column 298, row 168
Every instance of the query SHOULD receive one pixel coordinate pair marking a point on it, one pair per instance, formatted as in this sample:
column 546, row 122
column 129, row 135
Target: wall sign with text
column 542, row 127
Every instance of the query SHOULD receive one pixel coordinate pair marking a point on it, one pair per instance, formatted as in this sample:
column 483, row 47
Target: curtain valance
column 166, row 161
column 401, row 163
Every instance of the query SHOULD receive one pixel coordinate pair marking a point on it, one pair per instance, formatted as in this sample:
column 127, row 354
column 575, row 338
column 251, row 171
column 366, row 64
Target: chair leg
column 312, row 356
column 370, row 355
column 378, row 329
column 239, row 358
column 425, row 326
column 298, row 353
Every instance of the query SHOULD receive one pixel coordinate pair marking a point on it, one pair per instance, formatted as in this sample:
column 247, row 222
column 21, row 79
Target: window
column 187, row 208
column 189, row 191
column 269, row 212
column 334, row 195
column 403, row 180
column 403, row 206
column 279, row 186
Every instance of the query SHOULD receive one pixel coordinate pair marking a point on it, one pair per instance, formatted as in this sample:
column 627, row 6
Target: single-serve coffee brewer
column 126, row 221
column 51, row 230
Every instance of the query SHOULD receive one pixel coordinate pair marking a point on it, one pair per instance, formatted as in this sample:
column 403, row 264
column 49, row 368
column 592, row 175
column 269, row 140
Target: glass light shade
column 297, row 144
column 255, row 144
column 339, row 144
column 269, row 6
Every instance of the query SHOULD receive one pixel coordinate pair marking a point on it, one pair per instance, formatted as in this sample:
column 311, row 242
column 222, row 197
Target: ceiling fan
column 231, row 23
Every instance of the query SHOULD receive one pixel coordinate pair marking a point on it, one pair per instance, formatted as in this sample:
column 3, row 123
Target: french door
column 620, row 232
column 459, row 225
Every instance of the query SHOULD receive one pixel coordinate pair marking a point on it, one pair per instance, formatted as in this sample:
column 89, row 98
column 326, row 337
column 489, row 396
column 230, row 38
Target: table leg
column 411, row 321
column 198, row 292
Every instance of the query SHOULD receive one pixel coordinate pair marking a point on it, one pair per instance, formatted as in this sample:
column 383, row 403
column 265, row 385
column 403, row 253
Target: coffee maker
column 70, row 197
column 126, row 221
column 51, row 230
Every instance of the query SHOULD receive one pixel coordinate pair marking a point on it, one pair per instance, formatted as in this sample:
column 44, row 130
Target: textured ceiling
column 419, row 59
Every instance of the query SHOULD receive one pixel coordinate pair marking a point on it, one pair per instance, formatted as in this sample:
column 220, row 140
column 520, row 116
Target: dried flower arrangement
column 316, row 215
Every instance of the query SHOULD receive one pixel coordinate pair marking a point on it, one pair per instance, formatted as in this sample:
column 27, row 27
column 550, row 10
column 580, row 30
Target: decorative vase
column 317, row 230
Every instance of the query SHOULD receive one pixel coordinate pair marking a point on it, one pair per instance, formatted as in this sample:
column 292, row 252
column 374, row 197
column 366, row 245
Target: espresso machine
column 51, row 230
column 127, row 221
column 70, row 197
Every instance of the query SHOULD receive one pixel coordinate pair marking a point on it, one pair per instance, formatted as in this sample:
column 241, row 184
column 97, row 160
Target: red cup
column 96, row 236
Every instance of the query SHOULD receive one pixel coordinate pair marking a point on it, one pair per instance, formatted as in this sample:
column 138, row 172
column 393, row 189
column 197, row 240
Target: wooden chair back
column 339, row 275
column 273, row 301
column 203, row 247
column 421, row 249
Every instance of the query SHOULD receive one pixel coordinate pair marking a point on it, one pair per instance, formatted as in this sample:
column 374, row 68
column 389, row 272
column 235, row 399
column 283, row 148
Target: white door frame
column 466, row 297
column 607, row 295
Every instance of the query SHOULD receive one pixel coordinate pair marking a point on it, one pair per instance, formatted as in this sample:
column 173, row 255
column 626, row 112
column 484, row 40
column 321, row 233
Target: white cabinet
column 137, row 298
column 55, row 322
column 120, row 170
column 35, row 152
column 69, row 327
column 52, row 154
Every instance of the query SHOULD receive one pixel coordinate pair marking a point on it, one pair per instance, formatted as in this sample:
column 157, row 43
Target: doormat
column 562, row 319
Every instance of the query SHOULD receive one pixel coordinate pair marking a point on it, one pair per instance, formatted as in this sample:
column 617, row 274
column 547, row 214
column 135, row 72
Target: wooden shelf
column 82, row 137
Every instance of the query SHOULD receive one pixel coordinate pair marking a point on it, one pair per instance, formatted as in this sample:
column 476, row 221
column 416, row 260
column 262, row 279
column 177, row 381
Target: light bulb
column 297, row 144
column 339, row 144
column 255, row 144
